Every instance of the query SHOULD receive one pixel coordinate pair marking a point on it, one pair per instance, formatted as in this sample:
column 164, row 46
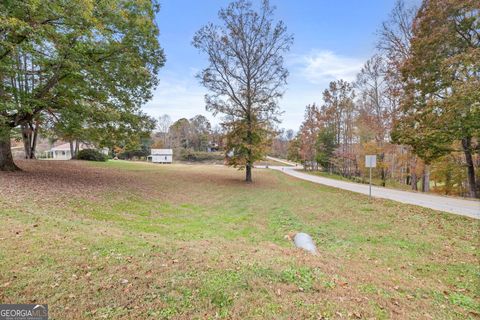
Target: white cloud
column 180, row 95
column 323, row 66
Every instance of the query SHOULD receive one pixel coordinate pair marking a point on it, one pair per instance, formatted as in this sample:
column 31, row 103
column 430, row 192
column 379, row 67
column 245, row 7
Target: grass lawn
column 123, row 240
column 271, row 162
column 390, row 183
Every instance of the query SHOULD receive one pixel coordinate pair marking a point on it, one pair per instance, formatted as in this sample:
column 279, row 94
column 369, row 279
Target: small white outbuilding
column 161, row 155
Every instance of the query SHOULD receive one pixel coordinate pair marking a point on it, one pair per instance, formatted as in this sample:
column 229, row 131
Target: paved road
column 469, row 208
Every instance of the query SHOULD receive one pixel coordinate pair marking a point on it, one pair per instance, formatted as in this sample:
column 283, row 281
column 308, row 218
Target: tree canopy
column 441, row 104
column 102, row 60
column 415, row 104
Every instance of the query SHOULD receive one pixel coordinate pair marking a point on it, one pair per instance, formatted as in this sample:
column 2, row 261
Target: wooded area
column 415, row 104
column 190, row 139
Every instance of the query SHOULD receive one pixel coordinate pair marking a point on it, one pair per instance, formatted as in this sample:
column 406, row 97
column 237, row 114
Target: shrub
column 133, row 154
column 91, row 155
column 200, row 156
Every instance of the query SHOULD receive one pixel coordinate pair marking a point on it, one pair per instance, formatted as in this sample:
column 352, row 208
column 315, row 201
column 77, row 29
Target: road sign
column 370, row 161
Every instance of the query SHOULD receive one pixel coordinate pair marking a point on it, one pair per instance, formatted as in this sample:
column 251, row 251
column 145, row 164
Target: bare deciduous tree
column 396, row 33
column 374, row 109
column 163, row 124
column 394, row 40
column 245, row 76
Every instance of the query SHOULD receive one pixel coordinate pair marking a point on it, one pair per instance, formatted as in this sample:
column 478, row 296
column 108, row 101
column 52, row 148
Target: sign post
column 370, row 162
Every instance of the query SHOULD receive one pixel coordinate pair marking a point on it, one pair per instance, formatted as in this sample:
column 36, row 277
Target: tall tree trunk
column 407, row 173
column 72, row 151
column 467, row 150
column 394, row 167
column 413, row 173
column 33, row 146
column 426, row 178
column 248, row 172
column 6, row 159
column 413, row 181
column 407, row 177
column 448, row 182
column 26, row 139
column 77, row 148
column 382, row 172
column 29, row 136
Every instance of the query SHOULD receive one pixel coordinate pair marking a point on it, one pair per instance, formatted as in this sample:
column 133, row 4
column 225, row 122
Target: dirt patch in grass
column 122, row 240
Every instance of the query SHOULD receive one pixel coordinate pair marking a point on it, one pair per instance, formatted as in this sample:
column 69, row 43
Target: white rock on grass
column 305, row 242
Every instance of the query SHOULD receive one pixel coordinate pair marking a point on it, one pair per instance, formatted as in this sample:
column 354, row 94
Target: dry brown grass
column 132, row 240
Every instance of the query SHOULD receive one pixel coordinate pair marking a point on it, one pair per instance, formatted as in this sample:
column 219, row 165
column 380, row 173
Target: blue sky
column 332, row 40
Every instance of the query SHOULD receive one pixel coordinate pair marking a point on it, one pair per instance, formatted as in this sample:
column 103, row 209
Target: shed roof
column 161, row 152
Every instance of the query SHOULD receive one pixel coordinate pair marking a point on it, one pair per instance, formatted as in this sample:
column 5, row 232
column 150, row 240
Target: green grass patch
column 207, row 245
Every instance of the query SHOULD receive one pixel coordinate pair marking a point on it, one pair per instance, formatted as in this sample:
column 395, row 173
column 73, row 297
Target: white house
column 62, row 152
column 161, row 155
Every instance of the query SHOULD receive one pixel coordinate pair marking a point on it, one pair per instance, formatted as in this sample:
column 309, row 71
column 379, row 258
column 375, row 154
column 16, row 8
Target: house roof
column 66, row 147
column 161, row 152
column 61, row 147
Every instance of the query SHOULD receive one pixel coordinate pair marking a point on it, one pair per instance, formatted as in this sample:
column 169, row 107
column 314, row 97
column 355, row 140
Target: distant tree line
column 415, row 104
column 190, row 139
column 281, row 143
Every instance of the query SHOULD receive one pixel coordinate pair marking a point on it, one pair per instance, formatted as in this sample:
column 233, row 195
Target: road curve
column 468, row 208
